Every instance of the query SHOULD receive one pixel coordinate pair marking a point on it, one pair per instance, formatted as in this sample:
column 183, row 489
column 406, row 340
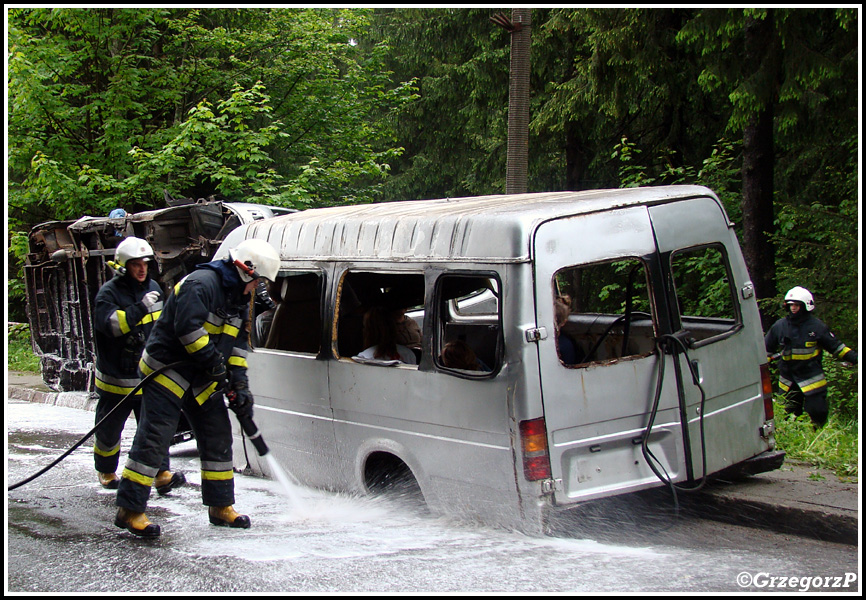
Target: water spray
column 248, row 426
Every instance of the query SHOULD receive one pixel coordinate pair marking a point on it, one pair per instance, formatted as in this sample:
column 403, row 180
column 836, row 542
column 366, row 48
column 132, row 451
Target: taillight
column 767, row 391
column 536, row 460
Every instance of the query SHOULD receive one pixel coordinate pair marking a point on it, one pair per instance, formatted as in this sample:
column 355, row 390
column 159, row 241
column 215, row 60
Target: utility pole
column 518, row 98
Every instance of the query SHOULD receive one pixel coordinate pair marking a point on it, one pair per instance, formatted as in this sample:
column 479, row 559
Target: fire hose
column 244, row 418
column 674, row 343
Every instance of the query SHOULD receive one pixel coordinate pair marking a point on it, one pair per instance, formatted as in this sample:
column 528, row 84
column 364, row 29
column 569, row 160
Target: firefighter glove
column 218, row 373
column 241, row 400
column 150, row 299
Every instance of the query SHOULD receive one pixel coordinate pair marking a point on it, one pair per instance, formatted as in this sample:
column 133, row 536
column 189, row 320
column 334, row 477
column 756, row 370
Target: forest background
column 109, row 107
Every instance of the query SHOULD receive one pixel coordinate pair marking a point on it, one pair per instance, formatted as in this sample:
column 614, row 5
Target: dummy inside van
column 502, row 357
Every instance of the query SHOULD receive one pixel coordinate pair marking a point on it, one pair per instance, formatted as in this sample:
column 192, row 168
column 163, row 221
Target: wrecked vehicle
column 666, row 383
column 67, row 264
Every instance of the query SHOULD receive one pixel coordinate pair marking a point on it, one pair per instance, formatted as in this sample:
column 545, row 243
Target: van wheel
column 387, row 475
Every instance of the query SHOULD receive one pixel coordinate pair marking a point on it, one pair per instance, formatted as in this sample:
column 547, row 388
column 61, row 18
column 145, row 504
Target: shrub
column 834, row 446
column 21, row 355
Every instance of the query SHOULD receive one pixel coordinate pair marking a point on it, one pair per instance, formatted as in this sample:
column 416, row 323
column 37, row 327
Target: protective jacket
column 205, row 320
column 122, row 324
column 802, row 338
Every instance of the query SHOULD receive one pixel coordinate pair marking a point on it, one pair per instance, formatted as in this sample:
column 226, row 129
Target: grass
column 21, row 356
column 834, row 446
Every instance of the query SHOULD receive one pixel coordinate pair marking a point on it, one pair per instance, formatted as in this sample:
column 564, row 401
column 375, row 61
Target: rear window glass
column 706, row 299
column 602, row 311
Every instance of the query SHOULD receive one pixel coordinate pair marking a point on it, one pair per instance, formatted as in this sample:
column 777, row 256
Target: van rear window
column 705, row 296
column 603, row 311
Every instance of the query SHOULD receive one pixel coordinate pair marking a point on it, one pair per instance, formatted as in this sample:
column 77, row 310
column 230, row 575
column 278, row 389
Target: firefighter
column 205, row 324
column 126, row 308
column 801, row 338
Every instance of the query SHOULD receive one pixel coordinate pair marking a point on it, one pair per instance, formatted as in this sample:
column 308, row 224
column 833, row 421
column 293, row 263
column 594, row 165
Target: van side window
column 294, row 324
column 469, row 325
column 705, row 297
column 378, row 316
column 603, row 312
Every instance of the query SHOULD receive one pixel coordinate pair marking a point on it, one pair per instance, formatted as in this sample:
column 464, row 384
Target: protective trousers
column 106, row 444
column 160, row 413
column 815, row 404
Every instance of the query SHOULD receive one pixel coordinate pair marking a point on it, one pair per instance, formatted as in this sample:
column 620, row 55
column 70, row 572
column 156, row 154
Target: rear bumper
column 766, row 461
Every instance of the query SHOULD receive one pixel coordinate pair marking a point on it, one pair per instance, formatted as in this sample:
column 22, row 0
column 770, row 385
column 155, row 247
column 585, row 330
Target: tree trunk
column 758, row 163
column 575, row 156
column 518, row 104
column 758, row 203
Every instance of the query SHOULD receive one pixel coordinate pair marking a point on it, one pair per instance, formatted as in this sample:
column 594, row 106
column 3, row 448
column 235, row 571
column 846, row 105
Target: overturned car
column 67, row 264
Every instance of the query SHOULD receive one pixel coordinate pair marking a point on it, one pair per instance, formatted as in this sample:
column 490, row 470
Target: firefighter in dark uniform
column 802, row 338
column 126, row 308
column 203, row 326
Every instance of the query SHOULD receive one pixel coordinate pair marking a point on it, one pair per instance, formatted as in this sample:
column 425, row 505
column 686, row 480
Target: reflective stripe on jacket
column 802, row 340
column 204, row 321
column 122, row 324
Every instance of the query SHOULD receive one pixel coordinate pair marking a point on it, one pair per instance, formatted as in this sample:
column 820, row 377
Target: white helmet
column 800, row 294
column 132, row 248
column 254, row 259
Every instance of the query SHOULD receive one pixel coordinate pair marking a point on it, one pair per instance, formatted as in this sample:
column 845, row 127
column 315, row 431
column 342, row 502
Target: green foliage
column 842, row 388
column 821, row 227
column 18, row 248
column 455, row 134
column 110, row 106
column 834, row 446
column 702, row 284
column 613, row 73
column 224, row 147
column 80, row 86
column 719, row 171
column 822, row 234
column 787, row 70
column 21, row 355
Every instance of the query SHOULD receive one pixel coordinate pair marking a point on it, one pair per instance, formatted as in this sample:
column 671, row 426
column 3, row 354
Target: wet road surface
column 61, row 538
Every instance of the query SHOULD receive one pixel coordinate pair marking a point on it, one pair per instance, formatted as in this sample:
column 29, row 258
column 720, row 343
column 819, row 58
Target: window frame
column 344, row 276
column 438, row 322
column 737, row 321
column 322, row 281
column 647, row 268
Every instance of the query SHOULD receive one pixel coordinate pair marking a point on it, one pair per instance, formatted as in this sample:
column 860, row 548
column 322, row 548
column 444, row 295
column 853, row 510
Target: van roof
column 475, row 229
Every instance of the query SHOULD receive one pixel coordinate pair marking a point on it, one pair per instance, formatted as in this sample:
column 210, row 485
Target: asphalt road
column 60, row 538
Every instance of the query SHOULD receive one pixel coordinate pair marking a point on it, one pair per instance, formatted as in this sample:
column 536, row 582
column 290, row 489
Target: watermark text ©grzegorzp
column 801, row 583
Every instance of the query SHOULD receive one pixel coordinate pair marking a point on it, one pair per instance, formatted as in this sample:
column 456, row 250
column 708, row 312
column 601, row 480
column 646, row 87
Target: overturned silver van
column 653, row 374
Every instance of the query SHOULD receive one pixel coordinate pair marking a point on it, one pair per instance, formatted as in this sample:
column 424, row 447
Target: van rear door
column 597, row 412
column 713, row 306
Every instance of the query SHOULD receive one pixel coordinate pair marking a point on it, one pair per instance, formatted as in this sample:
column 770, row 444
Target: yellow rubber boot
column 108, row 480
column 136, row 523
column 166, row 481
column 227, row 516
